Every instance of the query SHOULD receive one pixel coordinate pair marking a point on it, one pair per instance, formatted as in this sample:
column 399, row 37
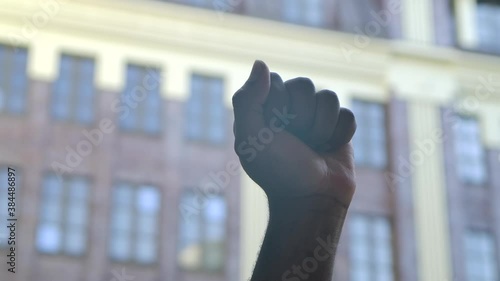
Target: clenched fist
column 292, row 140
column 295, row 143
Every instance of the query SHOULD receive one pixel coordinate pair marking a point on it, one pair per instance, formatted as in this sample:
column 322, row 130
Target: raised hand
column 292, row 141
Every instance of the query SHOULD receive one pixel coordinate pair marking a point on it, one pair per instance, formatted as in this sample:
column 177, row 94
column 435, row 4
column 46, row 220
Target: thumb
column 248, row 102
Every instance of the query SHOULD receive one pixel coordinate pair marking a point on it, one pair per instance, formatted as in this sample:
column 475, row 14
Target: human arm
column 303, row 161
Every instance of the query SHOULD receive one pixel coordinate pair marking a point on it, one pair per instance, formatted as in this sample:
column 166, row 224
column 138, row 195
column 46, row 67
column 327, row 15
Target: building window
column 202, row 234
column 135, row 223
column 481, row 260
column 142, row 98
column 362, row 16
column 470, row 158
column 73, row 93
column 198, row 3
column 13, row 80
column 355, row 16
column 63, row 222
column 308, row 12
column 370, row 142
column 370, row 249
column 488, row 25
column 206, row 114
column 5, row 196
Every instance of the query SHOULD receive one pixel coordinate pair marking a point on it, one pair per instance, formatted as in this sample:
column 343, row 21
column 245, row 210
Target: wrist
column 307, row 209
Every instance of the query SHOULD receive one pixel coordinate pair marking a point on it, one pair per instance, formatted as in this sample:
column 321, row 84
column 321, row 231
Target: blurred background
column 117, row 117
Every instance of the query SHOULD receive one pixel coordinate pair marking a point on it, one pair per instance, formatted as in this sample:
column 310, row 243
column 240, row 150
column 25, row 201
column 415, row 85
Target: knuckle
column 302, row 83
column 277, row 83
column 305, row 81
column 328, row 93
column 328, row 96
column 238, row 97
column 348, row 114
column 275, row 76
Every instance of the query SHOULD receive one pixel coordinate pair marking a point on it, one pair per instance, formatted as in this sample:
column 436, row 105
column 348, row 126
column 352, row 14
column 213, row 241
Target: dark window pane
column 215, row 216
column 13, row 79
column 121, row 219
column 206, row 115
column 308, row 12
column 217, row 111
column 152, row 117
column 370, row 248
column 354, row 17
column 129, row 120
column 292, row 11
column 488, row 25
column 194, row 108
column 146, row 249
column 62, row 227
column 480, row 255
column 370, row 140
column 73, row 91
column 200, row 3
column 62, row 87
column 135, row 223
column 120, row 247
column 142, row 99
column 17, row 99
column 190, row 233
column 75, row 242
column 202, row 233
column 86, row 91
column 123, row 195
column 469, row 151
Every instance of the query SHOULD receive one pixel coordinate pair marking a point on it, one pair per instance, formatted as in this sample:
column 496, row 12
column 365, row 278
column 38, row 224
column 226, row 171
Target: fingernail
column 256, row 71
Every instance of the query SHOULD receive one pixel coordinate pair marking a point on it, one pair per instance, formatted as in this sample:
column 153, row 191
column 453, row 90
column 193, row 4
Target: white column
column 254, row 219
column 429, row 192
column 465, row 14
column 417, row 20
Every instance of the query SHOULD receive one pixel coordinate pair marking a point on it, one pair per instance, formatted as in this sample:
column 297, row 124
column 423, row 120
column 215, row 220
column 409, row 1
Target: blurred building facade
column 117, row 117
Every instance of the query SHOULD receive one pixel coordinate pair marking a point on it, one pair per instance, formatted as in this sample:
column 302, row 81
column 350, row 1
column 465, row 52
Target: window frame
column 368, row 140
column 202, row 227
column 65, row 198
column 464, row 179
column 140, row 116
column 134, row 232
column 9, row 69
column 372, row 262
column 463, row 40
column 493, row 49
column 303, row 18
column 74, row 78
column 207, row 117
column 485, row 234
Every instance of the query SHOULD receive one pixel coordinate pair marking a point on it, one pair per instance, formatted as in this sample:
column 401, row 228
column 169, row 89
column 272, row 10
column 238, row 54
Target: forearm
column 301, row 240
